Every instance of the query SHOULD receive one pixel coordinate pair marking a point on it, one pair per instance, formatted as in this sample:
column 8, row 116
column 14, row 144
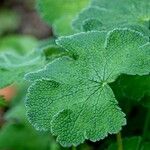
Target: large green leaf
column 72, row 98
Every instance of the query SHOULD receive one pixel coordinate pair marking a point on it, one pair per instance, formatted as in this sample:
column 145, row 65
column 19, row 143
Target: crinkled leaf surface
column 14, row 66
column 90, row 24
column 132, row 143
column 71, row 96
column 96, row 13
column 65, row 11
column 116, row 13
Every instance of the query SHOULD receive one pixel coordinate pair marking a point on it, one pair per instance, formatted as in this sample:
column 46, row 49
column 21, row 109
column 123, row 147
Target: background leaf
column 65, row 11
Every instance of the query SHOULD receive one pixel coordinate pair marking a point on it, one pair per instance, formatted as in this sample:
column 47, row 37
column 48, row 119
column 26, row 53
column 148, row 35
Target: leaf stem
column 119, row 141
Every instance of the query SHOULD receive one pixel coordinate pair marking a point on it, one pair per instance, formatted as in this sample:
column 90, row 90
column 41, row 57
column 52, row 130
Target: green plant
column 77, row 81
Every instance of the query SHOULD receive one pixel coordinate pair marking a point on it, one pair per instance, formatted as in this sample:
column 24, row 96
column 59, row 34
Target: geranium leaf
column 72, row 98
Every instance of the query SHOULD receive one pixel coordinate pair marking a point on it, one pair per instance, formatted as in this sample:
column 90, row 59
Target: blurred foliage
column 9, row 21
column 18, row 43
column 65, row 11
column 18, row 134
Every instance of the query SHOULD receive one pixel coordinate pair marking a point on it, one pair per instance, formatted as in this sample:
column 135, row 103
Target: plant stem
column 119, row 141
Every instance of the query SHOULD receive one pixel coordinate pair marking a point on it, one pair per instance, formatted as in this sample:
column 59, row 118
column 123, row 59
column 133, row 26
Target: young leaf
column 71, row 96
column 65, row 11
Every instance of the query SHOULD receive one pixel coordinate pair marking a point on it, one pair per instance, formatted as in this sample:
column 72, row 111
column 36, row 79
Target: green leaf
column 116, row 13
column 65, row 11
column 130, row 144
column 71, row 96
column 13, row 66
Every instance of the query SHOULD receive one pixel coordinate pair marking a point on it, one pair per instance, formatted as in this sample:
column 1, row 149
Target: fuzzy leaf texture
column 115, row 13
column 50, row 49
column 72, row 98
column 65, row 11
